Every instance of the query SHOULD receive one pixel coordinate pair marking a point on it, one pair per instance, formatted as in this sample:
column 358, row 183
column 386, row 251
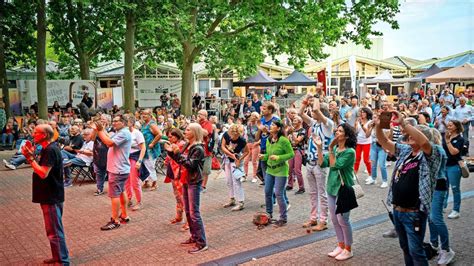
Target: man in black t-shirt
column 48, row 190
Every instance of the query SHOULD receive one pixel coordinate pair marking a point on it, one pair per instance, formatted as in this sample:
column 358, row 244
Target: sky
column 430, row 28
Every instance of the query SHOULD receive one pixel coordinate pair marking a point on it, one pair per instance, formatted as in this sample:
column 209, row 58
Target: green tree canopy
column 239, row 34
column 17, row 40
column 84, row 33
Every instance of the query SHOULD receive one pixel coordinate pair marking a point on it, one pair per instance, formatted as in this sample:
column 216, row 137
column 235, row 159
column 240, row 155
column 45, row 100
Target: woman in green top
column 278, row 153
column 340, row 161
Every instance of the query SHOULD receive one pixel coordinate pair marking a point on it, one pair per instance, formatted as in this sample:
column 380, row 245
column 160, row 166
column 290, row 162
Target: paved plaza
column 232, row 238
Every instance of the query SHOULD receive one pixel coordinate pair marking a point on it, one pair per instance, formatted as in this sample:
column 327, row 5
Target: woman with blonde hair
column 232, row 145
column 438, row 229
column 191, row 159
column 253, row 145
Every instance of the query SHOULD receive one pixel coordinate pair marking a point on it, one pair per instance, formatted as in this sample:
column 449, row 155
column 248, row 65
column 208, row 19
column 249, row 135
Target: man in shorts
column 118, row 167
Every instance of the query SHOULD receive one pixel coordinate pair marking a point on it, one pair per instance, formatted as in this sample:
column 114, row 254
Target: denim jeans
column 52, row 214
column 6, row 137
column 341, row 222
column 437, row 225
column 378, row 156
column 18, row 159
column 100, row 175
column 454, row 180
column 275, row 184
column 67, row 155
column 410, row 240
column 191, row 198
column 465, row 133
column 69, row 163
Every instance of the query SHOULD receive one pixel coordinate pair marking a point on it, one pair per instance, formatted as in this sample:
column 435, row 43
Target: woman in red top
column 175, row 136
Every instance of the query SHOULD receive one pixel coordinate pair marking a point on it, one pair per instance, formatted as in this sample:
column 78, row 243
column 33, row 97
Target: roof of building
column 449, row 61
column 403, row 61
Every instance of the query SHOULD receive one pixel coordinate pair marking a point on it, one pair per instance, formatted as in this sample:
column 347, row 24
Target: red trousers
column 365, row 149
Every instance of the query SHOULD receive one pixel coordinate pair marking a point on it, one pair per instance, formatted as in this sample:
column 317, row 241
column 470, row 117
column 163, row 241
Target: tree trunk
column 3, row 67
column 41, row 60
column 187, row 80
column 84, row 67
column 128, row 81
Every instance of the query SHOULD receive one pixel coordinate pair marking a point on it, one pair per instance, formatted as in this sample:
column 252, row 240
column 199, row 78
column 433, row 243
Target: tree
column 85, row 32
column 239, row 34
column 17, row 41
column 41, row 59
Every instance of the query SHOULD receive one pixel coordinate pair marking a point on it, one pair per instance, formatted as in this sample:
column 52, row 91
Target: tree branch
column 64, row 45
column 237, row 31
column 215, row 23
column 145, row 48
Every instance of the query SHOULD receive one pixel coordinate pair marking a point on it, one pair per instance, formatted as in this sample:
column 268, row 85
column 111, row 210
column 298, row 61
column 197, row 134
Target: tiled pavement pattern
column 150, row 239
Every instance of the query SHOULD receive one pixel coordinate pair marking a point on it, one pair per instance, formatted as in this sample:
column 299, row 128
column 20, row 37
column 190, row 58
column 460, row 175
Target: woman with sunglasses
column 278, row 153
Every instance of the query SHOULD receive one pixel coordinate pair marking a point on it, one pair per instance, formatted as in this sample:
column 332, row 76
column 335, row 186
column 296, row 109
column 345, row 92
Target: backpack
column 261, row 219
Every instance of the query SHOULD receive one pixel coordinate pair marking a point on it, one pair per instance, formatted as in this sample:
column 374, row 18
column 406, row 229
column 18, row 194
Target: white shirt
column 137, row 139
column 361, row 136
column 463, row 112
column 86, row 146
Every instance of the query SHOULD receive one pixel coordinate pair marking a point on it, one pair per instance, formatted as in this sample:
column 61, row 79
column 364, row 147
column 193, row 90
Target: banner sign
column 61, row 91
column 150, row 90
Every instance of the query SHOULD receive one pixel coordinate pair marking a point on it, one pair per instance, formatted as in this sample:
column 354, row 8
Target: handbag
column 237, row 172
column 359, row 192
column 464, row 169
column 346, row 198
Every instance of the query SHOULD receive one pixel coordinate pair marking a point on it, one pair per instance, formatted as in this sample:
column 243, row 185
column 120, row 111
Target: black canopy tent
column 259, row 80
column 297, row 79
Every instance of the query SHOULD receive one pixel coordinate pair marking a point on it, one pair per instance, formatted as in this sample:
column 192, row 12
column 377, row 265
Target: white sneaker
column 454, row 215
column 10, row 166
column 5, row 161
column 370, row 182
column 254, row 180
column 243, row 179
column 344, row 255
column 335, row 252
column 388, row 164
column 384, row 185
column 368, row 179
column 445, row 257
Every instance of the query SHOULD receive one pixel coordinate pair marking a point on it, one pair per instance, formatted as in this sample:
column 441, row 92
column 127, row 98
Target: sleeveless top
column 156, row 151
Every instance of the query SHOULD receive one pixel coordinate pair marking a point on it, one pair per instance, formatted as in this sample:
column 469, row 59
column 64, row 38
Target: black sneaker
column 279, row 223
column 98, row 192
column 300, row 191
column 189, row 241
column 197, row 249
column 125, row 220
column 289, row 188
column 110, row 225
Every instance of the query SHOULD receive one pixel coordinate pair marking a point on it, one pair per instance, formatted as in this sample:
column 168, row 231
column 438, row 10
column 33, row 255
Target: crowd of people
column 328, row 136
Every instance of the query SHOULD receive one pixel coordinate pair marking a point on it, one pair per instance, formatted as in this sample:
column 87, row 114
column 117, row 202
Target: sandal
column 176, row 220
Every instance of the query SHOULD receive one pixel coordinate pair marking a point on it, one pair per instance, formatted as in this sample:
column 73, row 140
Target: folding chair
column 160, row 164
column 86, row 172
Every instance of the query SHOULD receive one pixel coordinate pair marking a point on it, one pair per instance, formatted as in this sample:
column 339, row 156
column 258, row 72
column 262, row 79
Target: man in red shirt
column 208, row 134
